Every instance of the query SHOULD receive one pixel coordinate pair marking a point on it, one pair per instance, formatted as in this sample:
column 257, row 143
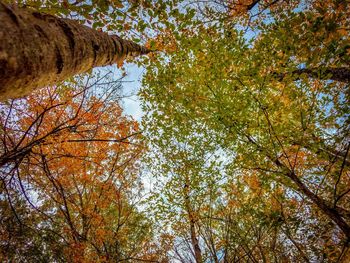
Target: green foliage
column 281, row 130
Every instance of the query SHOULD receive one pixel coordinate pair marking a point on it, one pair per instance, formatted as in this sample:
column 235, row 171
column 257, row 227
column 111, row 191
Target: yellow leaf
column 118, row 4
column 343, row 31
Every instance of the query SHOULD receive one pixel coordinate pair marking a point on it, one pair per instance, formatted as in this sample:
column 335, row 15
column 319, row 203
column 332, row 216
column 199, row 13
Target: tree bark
column 38, row 49
column 192, row 222
column 331, row 212
column 252, row 5
column 341, row 74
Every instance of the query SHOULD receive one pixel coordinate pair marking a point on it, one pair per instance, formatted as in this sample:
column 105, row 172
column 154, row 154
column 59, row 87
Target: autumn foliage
column 242, row 154
column 71, row 157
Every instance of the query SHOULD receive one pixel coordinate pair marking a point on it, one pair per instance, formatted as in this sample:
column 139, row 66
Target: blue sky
column 131, row 86
column 131, row 104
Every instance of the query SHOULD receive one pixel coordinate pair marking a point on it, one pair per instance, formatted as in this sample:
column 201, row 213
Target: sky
column 131, row 86
column 131, row 105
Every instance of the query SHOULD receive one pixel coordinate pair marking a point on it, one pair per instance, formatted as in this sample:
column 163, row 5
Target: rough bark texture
column 38, row 49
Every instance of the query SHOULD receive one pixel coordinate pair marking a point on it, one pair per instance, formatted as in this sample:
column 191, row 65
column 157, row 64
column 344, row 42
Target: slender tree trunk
column 331, row 212
column 38, row 49
column 341, row 74
column 252, row 5
column 192, row 221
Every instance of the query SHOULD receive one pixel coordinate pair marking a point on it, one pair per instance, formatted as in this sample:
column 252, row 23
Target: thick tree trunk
column 38, row 49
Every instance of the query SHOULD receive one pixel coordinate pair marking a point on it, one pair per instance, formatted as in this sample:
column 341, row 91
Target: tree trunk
column 331, row 212
column 341, row 74
column 38, row 49
column 192, row 221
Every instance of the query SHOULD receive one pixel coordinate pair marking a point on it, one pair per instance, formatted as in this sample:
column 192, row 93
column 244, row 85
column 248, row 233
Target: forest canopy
column 242, row 152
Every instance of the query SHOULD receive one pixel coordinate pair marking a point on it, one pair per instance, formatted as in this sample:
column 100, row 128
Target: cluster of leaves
column 69, row 178
column 258, row 130
column 137, row 20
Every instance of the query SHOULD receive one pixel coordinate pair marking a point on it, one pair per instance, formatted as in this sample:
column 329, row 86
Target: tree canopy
column 242, row 154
